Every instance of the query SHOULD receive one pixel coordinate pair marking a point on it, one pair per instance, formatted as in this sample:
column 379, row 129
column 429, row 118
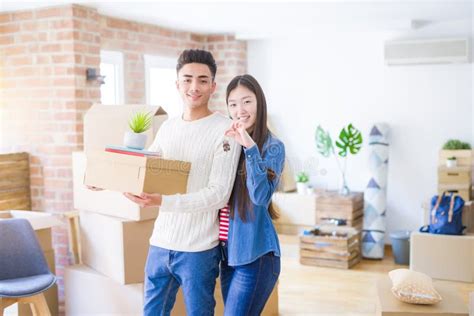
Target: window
column 161, row 90
column 111, row 66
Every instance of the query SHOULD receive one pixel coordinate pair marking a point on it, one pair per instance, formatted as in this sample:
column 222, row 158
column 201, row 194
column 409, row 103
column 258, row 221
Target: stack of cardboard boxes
column 447, row 257
column 115, row 232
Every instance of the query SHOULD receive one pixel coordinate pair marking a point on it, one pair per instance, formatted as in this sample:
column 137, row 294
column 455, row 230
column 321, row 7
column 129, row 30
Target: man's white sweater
column 189, row 222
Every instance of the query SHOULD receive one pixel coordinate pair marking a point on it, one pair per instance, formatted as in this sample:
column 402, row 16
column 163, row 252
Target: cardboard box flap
column 38, row 220
column 106, row 124
column 122, row 111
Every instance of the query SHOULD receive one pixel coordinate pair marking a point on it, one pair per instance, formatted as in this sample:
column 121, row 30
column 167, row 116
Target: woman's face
column 242, row 105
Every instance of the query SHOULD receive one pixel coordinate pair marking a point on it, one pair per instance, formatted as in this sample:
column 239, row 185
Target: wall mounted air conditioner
column 428, row 51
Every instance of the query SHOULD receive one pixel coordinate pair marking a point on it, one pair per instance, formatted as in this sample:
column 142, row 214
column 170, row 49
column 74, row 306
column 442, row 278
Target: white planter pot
column 451, row 163
column 301, row 187
column 134, row 140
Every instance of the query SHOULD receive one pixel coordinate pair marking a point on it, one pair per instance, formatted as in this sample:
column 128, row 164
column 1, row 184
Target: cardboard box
column 388, row 305
column 444, row 257
column 104, row 202
column 106, row 125
column 115, row 247
column 467, row 215
column 41, row 223
column 297, row 212
column 91, row 293
column 88, row 292
column 471, row 304
column 126, row 173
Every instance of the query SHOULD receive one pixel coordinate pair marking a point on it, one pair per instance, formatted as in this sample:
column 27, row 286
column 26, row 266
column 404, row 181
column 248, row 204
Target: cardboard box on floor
column 104, row 202
column 90, row 293
column 471, row 304
column 106, row 125
column 126, row 173
column 467, row 215
column 388, row 305
column 115, row 247
column 443, row 257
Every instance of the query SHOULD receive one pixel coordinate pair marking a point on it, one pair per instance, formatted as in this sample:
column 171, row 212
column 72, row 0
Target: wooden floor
column 308, row 290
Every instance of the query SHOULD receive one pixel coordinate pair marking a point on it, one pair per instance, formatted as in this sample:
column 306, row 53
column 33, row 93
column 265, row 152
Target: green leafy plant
column 140, row 122
column 302, row 177
column 456, row 144
column 349, row 142
column 451, row 158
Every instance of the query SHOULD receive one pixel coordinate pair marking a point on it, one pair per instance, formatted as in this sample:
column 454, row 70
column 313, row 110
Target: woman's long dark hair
column 240, row 198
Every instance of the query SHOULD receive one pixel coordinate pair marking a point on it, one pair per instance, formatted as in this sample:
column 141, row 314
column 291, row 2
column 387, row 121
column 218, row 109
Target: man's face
column 195, row 85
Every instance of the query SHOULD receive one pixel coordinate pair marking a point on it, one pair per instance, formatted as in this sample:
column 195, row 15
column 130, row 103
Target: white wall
column 336, row 78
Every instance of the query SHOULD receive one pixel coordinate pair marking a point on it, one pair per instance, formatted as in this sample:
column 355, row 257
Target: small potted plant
column 139, row 123
column 302, row 180
column 451, row 162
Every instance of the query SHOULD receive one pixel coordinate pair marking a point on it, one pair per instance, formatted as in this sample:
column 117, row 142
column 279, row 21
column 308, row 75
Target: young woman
column 251, row 251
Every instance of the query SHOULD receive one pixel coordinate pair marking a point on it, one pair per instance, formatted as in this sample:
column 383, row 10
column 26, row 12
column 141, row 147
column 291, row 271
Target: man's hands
column 240, row 135
column 145, row 199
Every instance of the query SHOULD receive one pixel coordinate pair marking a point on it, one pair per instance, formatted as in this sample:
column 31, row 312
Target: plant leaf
column 350, row 140
column 323, row 142
column 140, row 122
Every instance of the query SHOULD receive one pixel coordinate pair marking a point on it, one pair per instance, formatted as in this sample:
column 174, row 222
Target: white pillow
column 413, row 287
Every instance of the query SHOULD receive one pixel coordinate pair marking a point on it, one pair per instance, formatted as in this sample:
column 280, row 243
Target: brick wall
column 44, row 94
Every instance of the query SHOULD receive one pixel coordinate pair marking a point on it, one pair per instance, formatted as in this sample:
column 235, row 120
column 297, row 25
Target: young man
column 184, row 247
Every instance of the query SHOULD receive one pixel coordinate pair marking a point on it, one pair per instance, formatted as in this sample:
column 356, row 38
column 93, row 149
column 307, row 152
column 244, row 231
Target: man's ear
column 214, row 86
column 177, row 84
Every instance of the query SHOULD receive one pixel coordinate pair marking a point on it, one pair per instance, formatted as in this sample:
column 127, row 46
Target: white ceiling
column 249, row 19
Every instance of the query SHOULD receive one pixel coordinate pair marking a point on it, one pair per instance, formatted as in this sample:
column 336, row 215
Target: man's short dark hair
column 199, row 56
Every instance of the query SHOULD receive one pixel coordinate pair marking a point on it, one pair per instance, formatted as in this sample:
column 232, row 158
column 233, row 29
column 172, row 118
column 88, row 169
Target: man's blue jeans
column 167, row 270
column 246, row 288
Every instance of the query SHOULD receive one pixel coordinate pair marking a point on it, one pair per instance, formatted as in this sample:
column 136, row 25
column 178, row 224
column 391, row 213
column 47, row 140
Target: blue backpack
column 446, row 215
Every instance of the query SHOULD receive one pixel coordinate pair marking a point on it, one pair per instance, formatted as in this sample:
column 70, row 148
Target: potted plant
column 349, row 142
column 302, row 180
column 451, row 162
column 139, row 123
column 454, row 148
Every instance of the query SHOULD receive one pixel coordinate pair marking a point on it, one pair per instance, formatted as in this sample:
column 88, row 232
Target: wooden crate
column 333, row 206
column 455, row 175
column 338, row 251
column 463, row 157
column 15, row 182
column 463, row 190
column 356, row 223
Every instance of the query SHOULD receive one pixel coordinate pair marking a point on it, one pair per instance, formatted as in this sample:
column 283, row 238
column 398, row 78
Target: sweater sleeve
column 217, row 192
column 259, row 186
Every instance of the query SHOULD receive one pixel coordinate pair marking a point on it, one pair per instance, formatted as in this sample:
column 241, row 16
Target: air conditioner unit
column 428, row 51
